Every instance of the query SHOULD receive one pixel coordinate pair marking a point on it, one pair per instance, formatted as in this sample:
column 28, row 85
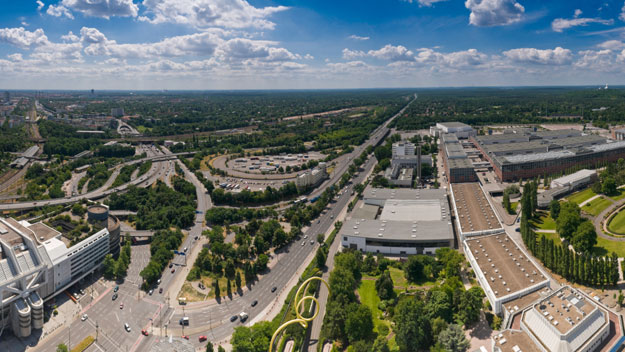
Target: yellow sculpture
column 300, row 320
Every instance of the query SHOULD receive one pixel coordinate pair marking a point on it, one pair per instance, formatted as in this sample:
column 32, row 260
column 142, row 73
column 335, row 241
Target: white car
column 305, row 236
column 303, row 243
column 84, row 317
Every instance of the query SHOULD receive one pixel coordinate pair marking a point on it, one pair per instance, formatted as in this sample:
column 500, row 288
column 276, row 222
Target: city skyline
column 239, row 44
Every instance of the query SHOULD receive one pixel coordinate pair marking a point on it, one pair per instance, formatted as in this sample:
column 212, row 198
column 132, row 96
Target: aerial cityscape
column 313, row 176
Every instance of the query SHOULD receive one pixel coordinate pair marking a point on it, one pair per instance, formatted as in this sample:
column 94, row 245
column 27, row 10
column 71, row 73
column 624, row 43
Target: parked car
column 84, row 317
column 144, row 332
column 116, row 289
column 121, row 305
column 233, row 318
column 150, row 292
column 127, row 327
column 173, row 271
column 160, row 290
column 273, row 289
column 114, row 296
column 254, row 303
column 203, row 338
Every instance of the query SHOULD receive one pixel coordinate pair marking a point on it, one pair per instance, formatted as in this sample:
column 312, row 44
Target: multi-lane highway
column 158, row 170
column 210, row 318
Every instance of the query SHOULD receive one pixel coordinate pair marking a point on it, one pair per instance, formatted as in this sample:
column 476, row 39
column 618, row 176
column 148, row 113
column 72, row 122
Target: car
column 234, row 318
column 173, row 271
column 127, row 327
column 273, row 289
column 160, row 290
column 121, row 305
column 114, row 296
column 305, row 236
column 84, row 317
column 303, row 243
column 186, row 337
column 243, row 316
column 312, row 242
column 171, row 265
column 150, row 292
column 185, row 249
column 144, row 332
column 116, row 289
column 202, row 338
column 158, row 282
column 82, row 292
column 331, row 216
column 518, row 229
column 254, row 303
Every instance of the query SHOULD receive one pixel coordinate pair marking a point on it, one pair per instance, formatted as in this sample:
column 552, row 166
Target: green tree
column 320, row 238
column 62, row 348
column 453, row 339
column 216, row 289
column 221, row 349
column 438, row 306
column 596, row 187
column 237, row 280
column 568, row 220
column 380, row 345
column 506, row 202
column 608, row 186
column 554, row 209
column 438, row 326
column 470, row 305
column 108, row 267
column 384, row 286
column 413, row 269
column 359, row 324
column 412, row 327
column 209, row 347
column 585, row 237
column 320, row 258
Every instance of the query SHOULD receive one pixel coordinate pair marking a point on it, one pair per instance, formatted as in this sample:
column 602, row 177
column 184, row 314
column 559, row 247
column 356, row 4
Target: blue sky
column 266, row 44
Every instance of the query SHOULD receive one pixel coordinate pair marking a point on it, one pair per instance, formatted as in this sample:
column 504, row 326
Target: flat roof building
column 458, row 167
column 461, row 130
column 503, row 270
column 412, row 221
column 522, row 154
column 474, row 213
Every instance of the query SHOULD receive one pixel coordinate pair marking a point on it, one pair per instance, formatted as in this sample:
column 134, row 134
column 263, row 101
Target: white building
column 502, row 269
column 460, row 129
column 312, row 177
column 403, row 149
column 37, row 263
column 575, row 180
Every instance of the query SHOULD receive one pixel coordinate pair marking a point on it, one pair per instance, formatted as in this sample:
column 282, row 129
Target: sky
column 309, row 44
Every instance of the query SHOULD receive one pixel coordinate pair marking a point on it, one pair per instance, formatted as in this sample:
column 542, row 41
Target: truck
column 314, row 199
column 243, row 316
column 184, row 321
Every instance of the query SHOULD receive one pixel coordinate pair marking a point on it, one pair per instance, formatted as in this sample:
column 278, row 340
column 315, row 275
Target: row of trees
column 226, row 216
column 117, row 269
column 579, row 265
column 246, row 197
column 161, row 252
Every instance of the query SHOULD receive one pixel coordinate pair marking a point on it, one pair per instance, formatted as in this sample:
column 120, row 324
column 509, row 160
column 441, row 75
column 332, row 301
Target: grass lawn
column 369, row 297
column 606, row 247
column 544, row 222
column 551, row 235
column 617, row 224
column 513, row 206
column 596, row 206
column 581, row 196
column 620, row 195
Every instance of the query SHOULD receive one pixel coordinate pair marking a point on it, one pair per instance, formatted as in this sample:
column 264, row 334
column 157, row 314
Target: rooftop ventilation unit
column 3, row 230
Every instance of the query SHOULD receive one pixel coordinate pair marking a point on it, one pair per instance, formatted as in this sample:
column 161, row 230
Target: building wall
column 360, row 243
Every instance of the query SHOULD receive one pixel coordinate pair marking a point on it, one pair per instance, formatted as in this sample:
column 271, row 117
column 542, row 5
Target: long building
column 37, row 263
column 400, row 222
column 458, row 167
column 522, row 154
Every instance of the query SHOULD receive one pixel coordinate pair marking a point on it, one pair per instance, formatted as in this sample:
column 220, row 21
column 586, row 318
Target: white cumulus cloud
column 557, row 56
column 40, row 5
column 392, row 53
column 486, row 13
column 59, row 11
column 102, row 8
column 560, row 24
column 357, row 37
column 23, row 38
column 209, row 13
column 352, row 54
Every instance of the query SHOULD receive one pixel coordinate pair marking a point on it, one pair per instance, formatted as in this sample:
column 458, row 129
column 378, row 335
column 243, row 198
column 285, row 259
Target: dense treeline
column 115, row 151
column 44, row 183
column 158, row 207
column 117, row 269
column 124, row 175
column 247, row 197
column 579, row 265
column 64, row 140
column 97, row 175
column 161, row 252
column 480, row 106
column 223, row 216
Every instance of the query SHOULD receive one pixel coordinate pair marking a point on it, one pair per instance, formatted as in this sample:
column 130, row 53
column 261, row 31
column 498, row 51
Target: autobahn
column 155, row 172
column 210, row 318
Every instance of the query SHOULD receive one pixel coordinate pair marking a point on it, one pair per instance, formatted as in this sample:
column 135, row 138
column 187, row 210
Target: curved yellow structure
column 300, row 320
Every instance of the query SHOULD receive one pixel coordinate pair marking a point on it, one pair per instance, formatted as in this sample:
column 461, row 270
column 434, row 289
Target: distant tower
column 419, row 165
column 92, row 92
column 7, row 96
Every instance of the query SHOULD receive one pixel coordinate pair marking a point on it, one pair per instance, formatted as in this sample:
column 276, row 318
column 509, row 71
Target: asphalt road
column 102, row 191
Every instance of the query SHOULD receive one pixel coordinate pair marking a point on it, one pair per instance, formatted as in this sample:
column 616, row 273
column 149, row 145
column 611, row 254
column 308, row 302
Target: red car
column 173, row 271
column 203, row 338
column 144, row 332
column 186, row 337
column 121, row 306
